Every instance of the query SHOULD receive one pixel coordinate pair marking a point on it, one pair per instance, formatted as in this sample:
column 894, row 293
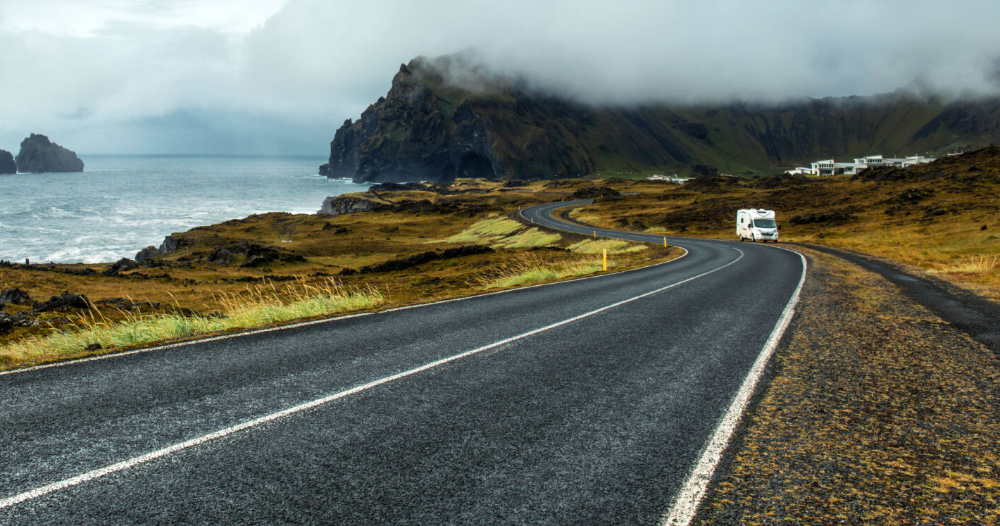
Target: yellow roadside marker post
column 605, row 260
column 664, row 241
column 595, row 234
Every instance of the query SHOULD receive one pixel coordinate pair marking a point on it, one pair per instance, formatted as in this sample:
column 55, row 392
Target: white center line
column 153, row 455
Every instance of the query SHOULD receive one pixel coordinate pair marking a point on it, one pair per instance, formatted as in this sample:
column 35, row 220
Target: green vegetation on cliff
column 446, row 117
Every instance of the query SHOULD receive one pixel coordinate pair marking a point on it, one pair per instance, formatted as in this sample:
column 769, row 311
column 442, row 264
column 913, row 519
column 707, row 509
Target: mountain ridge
column 446, row 117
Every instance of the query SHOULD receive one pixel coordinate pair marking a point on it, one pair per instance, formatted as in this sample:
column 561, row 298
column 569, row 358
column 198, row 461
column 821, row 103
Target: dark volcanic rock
column 147, row 254
column 127, row 304
column 336, row 229
column 343, row 204
column 914, row 195
column 170, row 244
column 221, row 256
column 7, row 164
column 62, row 303
column 122, row 265
column 38, row 154
column 258, row 255
column 595, row 192
column 420, row 259
column 9, row 321
column 14, row 297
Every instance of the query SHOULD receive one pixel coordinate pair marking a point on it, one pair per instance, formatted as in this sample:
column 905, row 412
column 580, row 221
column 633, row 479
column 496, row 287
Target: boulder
column 9, row 321
column 14, row 297
column 343, row 204
column 7, row 164
column 122, row 265
column 170, row 244
column 336, row 229
column 62, row 303
column 38, row 155
column 221, row 256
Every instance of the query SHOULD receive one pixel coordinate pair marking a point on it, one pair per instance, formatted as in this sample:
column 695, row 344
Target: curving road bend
column 587, row 401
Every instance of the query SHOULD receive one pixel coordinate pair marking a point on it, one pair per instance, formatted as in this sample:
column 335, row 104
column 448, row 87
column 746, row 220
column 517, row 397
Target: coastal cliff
column 7, row 164
column 447, row 117
column 38, row 155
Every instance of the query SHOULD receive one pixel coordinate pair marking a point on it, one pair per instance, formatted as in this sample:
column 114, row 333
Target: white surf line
column 142, row 459
column 689, row 497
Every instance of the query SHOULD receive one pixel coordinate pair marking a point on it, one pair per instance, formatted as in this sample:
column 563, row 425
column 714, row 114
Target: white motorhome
column 756, row 225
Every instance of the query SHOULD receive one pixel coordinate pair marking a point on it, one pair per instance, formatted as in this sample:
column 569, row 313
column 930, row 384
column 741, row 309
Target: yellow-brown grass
column 945, row 224
column 530, row 269
column 192, row 293
column 256, row 306
column 879, row 413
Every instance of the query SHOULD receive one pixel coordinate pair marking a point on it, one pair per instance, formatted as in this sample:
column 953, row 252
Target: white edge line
column 688, row 499
column 141, row 459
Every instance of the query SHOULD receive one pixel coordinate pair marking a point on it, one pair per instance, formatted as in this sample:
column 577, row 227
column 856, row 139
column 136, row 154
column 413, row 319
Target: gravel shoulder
column 877, row 411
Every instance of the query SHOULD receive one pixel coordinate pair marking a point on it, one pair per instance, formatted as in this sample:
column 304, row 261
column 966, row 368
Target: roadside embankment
column 877, row 412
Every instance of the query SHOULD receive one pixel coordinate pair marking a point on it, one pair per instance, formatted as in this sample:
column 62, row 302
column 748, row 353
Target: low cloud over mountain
column 304, row 66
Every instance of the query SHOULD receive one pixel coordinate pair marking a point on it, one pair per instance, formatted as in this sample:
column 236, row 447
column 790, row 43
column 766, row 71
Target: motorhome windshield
column 763, row 223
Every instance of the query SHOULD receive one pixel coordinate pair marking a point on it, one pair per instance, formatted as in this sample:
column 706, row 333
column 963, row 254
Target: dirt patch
column 878, row 412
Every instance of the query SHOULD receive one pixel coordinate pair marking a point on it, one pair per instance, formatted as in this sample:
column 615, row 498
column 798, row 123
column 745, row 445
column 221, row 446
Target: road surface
column 587, row 401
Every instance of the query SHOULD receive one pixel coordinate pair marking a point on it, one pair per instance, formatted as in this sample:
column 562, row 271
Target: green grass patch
column 530, row 238
column 613, row 246
column 486, row 231
column 530, row 269
column 500, row 232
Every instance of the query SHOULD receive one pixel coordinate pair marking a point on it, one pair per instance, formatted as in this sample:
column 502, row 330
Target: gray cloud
column 134, row 78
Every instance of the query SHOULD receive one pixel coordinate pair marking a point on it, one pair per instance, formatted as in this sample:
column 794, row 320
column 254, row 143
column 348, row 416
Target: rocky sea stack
column 451, row 117
column 38, row 155
column 7, row 164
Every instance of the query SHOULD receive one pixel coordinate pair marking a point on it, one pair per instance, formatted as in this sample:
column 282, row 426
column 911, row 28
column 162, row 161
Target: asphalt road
column 566, row 408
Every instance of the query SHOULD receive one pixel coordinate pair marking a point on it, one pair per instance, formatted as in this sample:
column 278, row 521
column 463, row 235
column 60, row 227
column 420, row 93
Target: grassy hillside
column 942, row 217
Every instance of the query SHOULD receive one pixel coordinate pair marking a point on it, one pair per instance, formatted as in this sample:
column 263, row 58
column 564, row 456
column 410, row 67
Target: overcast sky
column 279, row 76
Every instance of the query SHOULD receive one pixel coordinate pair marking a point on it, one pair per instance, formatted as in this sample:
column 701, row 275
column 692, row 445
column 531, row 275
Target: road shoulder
column 877, row 410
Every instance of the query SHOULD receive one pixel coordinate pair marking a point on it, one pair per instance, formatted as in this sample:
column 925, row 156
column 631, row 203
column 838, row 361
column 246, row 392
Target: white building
column 827, row 167
column 668, row 178
column 914, row 160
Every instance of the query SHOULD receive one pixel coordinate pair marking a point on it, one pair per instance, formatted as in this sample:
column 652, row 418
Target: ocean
column 121, row 204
